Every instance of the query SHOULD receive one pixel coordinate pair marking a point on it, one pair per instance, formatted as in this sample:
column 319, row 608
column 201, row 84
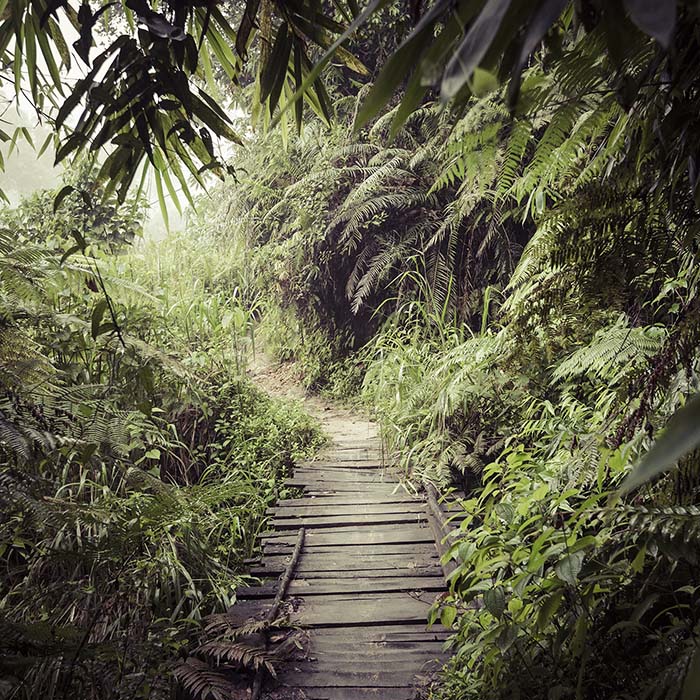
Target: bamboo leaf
column 473, row 48
column 657, row 18
column 681, row 436
column 569, row 567
column 62, row 194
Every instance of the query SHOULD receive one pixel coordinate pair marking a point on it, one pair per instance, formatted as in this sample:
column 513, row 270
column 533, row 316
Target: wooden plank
column 384, row 634
column 362, row 693
column 301, row 511
column 346, row 462
column 381, row 678
column 328, row 521
column 338, row 470
column 362, row 476
column 348, row 650
column 408, row 662
column 359, row 585
column 359, row 487
column 347, row 565
column 344, row 499
column 367, row 549
column 343, row 537
column 345, row 610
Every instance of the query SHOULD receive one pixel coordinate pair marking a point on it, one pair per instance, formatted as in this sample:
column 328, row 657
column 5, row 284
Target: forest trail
column 368, row 569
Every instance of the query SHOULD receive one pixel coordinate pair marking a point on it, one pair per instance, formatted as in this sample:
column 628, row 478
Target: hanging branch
column 282, row 591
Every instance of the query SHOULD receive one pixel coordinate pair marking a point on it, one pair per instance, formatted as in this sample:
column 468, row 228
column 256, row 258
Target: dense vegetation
column 518, row 297
column 137, row 459
column 505, row 272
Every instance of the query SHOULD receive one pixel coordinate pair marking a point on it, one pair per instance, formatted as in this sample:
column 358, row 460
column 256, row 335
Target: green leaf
column 299, row 80
column 399, row 64
column 71, row 251
column 62, row 194
column 97, row 314
column 447, row 615
column 681, row 436
column 483, row 82
column 473, row 48
column 312, row 75
column 542, row 19
column 568, row 568
column 691, row 683
column 279, row 57
column 152, row 454
column 161, row 198
column 549, row 608
column 657, row 18
column 495, row 601
column 245, row 27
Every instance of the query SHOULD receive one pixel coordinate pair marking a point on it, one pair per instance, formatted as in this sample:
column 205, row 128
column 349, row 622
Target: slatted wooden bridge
column 366, row 571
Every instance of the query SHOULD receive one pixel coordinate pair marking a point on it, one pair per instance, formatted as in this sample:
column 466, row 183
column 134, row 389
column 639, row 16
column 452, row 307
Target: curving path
column 367, row 572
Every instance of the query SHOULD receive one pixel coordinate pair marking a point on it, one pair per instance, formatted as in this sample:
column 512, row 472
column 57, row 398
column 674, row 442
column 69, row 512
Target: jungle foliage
column 516, row 279
column 497, row 242
column 136, row 460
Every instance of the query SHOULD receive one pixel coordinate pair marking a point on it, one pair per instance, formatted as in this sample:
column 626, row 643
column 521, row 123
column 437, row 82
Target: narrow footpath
column 366, row 568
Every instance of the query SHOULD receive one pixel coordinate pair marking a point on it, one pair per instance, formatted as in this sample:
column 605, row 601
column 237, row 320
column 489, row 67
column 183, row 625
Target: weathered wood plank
column 344, row 536
column 381, row 678
column 382, row 634
column 370, row 548
column 333, row 475
column 376, row 488
column 345, row 499
column 338, row 472
column 347, row 462
column 399, row 662
column 369, row 519
column 355, row 693
column 306, row 587
column 312, row 510
column 345, row 610
column 340, row 570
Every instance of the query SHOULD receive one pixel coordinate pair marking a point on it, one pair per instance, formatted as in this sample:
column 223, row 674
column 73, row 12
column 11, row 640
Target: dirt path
column 339, row 423
column 358, row 552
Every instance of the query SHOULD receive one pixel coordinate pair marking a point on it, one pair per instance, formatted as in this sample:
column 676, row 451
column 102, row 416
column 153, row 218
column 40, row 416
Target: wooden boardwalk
column 367, row 574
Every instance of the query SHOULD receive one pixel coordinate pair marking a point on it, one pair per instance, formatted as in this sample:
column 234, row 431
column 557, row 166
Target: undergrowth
column 136, row 460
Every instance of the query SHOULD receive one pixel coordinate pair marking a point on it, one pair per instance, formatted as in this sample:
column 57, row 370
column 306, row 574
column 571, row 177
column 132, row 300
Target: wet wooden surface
column 368, row 573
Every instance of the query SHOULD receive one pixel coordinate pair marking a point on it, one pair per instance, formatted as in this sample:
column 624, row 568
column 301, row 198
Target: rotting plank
column 372, row 548
column 381, row 678
column 383, row 634
column 369, row 609
column 343, row 535
column 340, row 474
column 330, row 521
column 347, row 610
column 306, row 587
column 363, row 482
column 378, row 488
column 345, row 499
column 347, row 463
column 355, row 651
column 352, row 569
column 359, row 693
column 407, row 507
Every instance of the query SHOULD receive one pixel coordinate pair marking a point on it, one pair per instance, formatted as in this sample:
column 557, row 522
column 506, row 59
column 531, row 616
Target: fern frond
column 204, row 683
column 610, row 350
column 239, row 654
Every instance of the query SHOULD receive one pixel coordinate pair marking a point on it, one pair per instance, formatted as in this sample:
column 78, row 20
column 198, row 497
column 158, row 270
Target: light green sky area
column 25, row 173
